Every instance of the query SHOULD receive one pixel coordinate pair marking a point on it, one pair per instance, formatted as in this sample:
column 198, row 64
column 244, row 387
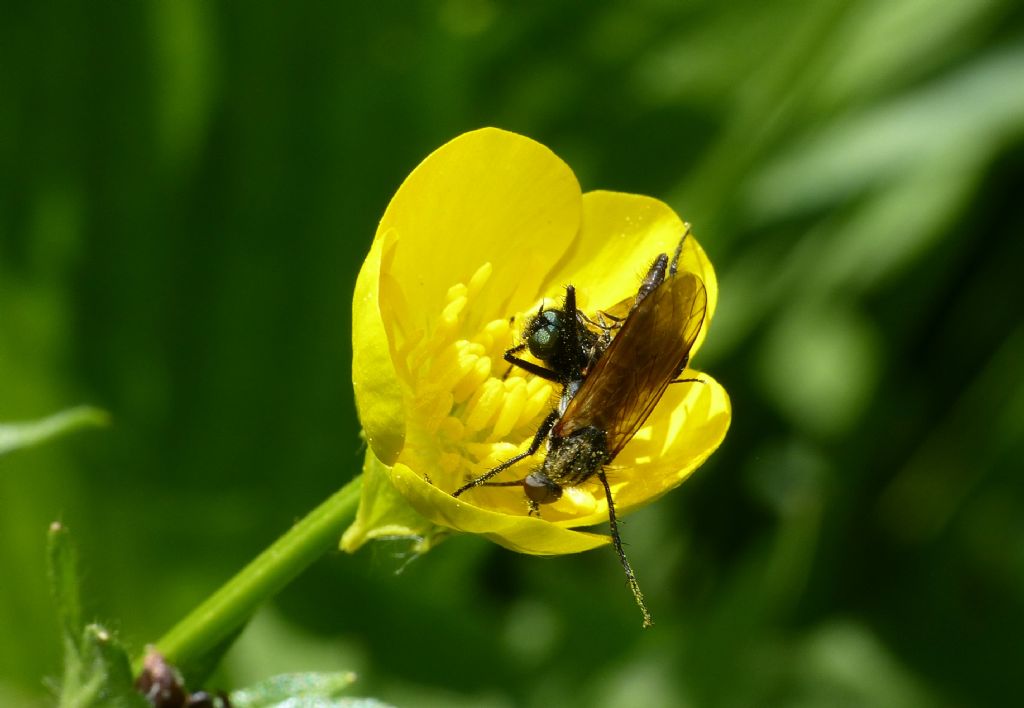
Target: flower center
column 471, row 408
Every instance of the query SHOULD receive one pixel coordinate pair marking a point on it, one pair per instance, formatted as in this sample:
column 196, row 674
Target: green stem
column 224, row 613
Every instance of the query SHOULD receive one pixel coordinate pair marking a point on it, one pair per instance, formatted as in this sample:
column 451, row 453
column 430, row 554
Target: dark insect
column 567, row 341
column 599, row 413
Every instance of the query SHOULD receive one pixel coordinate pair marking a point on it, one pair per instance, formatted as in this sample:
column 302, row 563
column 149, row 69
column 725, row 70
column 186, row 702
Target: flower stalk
column 190, row 642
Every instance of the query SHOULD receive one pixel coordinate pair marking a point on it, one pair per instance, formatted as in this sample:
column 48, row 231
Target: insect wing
column 649, row 351
column 620, row 310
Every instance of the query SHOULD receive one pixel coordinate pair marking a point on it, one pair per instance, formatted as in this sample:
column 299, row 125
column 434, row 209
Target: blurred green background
column 187, row 190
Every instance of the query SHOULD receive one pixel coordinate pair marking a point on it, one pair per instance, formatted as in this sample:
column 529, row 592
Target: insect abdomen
column 577, row 457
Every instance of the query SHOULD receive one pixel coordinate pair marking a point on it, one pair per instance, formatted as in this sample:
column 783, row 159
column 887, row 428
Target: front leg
column 529, row 366
column 538, row 439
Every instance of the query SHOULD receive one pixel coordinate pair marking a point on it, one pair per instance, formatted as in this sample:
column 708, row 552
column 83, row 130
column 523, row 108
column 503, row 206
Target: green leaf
column 967, row 111
column 63, row 572
column 302, row 690
column 110, row 669
column 96, row 667
column 14, row 436
column 97, row 673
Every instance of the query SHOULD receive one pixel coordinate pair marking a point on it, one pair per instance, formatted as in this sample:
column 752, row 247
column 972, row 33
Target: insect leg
column 601, row 315
column 529, row 366
column 679, row 251
column 614, row 526
column 538, row 439
column 605, row 325
column 508, row 353
column 572, row 340
column 700, row 381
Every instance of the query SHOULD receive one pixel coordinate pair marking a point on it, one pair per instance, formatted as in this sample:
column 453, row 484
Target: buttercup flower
column 483, row 232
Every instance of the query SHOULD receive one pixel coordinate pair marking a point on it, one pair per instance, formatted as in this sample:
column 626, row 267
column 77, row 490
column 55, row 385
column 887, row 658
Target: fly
column 601, row 411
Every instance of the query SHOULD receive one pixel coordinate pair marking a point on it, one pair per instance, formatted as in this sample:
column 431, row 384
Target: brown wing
column 620, row 310
column 649, row 351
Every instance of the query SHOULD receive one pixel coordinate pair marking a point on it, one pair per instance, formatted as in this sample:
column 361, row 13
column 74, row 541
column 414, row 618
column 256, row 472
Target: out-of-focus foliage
column 187, row 190
column 14, row 436
column 96, row 669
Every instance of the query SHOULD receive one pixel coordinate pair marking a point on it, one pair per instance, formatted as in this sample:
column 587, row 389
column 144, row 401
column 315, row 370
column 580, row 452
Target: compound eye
column 541, row 490
column 545, row 334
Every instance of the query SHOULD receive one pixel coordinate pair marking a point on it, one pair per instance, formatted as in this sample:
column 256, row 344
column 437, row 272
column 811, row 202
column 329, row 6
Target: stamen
column 538, row 399
column 496, row 335
column 476, row 372
column 450, row 316
column 475, row 419
column 449, row 365
column 480, row 278
column 451, row 430
column 450, row 463
column 486, row 456
column 484, row 405
column 455, row 292
column 511, row 409
column 432, row 406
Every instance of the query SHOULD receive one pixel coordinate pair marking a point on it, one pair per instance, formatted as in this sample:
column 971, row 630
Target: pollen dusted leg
column 630, row 577
column 538, row 439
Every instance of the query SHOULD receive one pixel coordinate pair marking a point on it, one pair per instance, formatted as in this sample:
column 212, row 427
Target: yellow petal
column 524, row 534
column 689, row 424
column 384, row 514
column 620, row 236
column 488, row 196
column 378, row 389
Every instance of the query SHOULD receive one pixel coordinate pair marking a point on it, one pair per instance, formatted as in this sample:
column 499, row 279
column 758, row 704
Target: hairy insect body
column 576, row 458
column 570, row 461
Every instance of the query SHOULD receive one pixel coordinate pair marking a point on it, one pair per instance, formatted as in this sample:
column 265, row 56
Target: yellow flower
column 482, row 232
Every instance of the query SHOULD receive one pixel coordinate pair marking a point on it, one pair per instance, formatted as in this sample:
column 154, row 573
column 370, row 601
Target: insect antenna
column 634, row 586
